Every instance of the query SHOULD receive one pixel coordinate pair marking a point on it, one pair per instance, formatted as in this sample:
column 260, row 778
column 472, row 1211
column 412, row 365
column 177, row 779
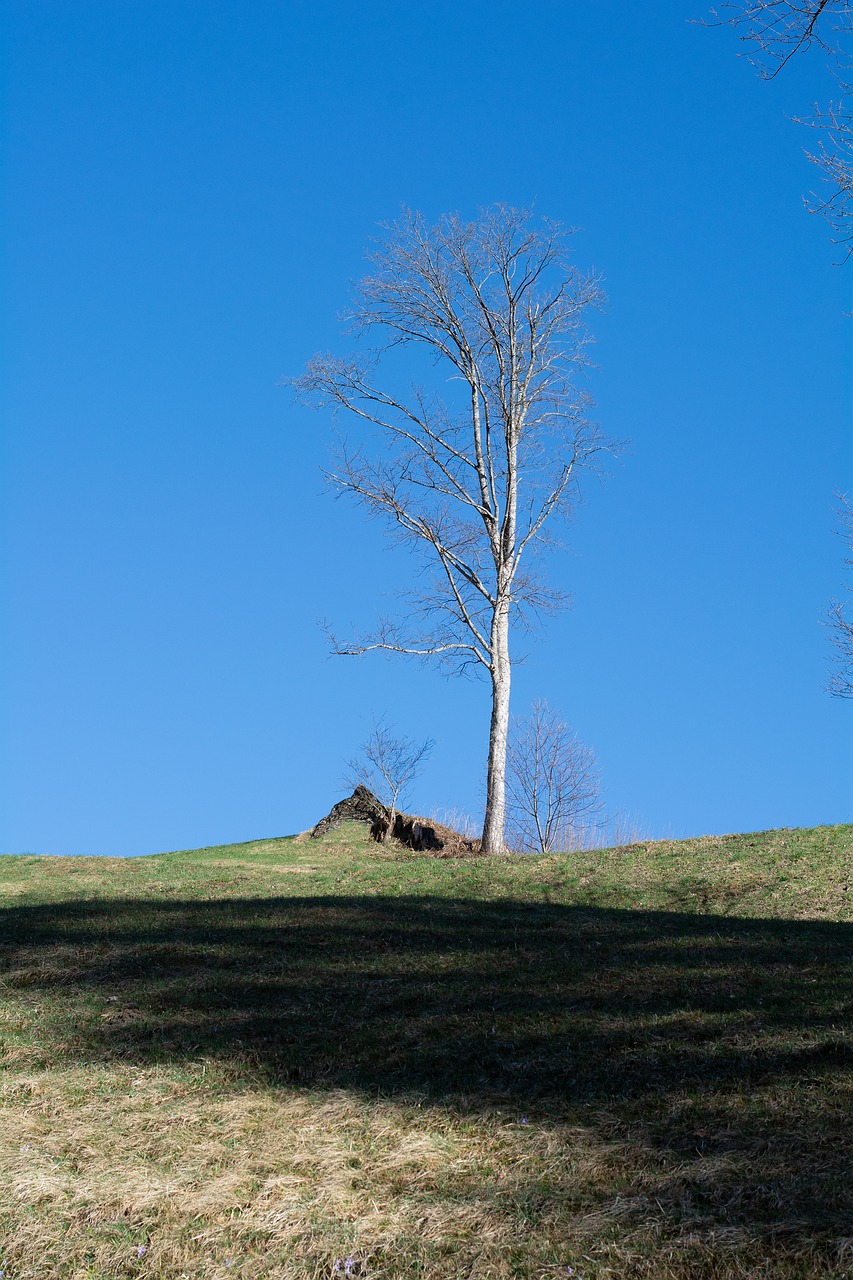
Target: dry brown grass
column 260, row 1183
column 213, row 1178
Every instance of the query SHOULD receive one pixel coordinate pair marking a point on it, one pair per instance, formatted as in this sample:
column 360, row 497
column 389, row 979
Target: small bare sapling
column 840, row 618
column 553, row 784
column 388, row 766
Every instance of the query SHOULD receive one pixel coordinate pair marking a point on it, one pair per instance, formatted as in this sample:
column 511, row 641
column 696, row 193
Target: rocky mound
column 361, row 806
column 424, row 835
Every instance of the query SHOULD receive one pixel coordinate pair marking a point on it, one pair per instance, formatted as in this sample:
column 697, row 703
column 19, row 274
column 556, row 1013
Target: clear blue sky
column 189, row 189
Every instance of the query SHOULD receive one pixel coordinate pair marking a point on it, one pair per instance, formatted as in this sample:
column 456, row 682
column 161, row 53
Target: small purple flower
column 141, row 1250
column 524, row 1119
column 336, row 1268
column 348, row 1266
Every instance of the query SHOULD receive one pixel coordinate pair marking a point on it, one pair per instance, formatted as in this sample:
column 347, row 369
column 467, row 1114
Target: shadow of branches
column 723, row 1047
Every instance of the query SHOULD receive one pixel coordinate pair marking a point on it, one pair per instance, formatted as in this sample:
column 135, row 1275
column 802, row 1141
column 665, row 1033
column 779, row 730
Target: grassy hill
column 297, row 1058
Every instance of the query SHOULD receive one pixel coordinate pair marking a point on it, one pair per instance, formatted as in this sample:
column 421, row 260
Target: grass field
column 297, row 1058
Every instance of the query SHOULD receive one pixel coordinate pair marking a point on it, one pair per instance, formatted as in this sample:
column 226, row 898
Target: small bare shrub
column 607, row 831
column 840, row 616
column 553, row 784
column 388, row 766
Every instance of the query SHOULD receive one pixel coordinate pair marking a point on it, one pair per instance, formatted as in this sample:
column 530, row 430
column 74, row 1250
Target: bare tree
column 776, row 30
column 553, row 785
column 469, row 478
column 840, row 617
column 388, row 765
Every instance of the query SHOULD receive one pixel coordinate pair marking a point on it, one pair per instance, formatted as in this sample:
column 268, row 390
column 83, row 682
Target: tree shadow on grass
column 723, row 1047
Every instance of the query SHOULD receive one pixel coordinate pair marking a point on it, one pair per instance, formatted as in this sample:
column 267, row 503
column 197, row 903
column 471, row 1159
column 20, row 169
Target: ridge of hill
column 796, row 872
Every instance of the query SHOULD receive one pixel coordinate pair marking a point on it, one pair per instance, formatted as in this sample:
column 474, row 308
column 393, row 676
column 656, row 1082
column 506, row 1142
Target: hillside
column 277, row 1058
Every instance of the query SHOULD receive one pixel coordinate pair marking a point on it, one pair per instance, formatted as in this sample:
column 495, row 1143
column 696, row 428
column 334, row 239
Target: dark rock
column 420, row 834
column 361, row 806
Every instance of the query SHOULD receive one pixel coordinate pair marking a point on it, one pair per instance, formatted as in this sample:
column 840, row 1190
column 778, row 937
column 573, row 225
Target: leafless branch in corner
column 777, row 30
column 834, row 159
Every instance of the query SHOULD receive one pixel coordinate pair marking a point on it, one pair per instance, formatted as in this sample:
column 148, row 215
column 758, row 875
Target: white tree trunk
column 455, row 494
column 495, row 819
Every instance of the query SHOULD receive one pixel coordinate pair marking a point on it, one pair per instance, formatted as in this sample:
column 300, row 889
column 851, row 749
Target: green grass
column 256, row 1059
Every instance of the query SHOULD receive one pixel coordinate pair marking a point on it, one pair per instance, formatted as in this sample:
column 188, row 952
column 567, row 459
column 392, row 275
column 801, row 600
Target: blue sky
column 189, row 190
